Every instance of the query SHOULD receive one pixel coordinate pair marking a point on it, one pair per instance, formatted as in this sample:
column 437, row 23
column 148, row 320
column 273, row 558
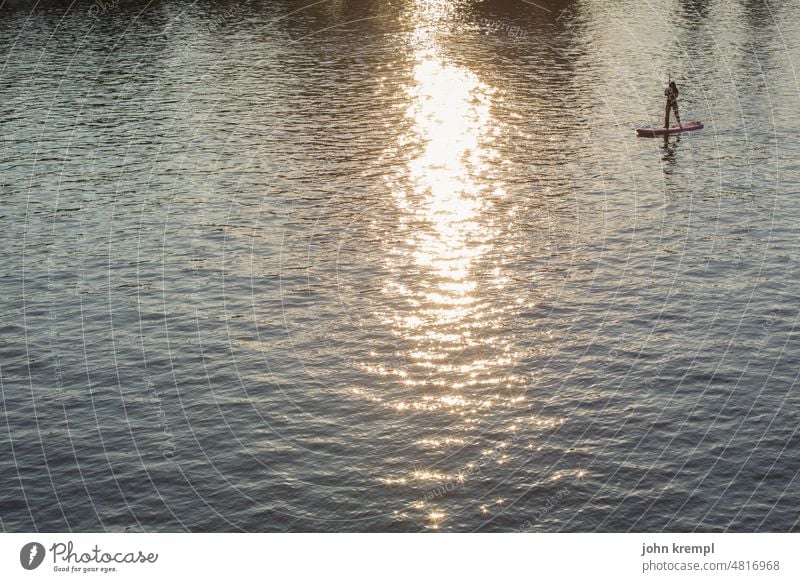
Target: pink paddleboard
column 654, row 131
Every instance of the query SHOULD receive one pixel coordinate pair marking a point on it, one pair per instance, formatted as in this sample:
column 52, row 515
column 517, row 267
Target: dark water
column 398, row 266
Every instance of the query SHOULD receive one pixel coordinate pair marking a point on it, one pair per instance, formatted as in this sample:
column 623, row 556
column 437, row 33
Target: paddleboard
column 654, row 131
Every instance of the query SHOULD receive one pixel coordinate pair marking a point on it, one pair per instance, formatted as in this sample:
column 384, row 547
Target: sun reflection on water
column 450, row 109
column 444, row 276
column 446, row 296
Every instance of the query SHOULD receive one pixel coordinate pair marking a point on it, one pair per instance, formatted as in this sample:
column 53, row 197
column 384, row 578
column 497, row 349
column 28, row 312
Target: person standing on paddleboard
column 671, row 92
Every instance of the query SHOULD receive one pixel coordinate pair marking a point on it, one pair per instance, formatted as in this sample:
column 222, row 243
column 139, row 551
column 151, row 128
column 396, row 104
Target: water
column 372, row 266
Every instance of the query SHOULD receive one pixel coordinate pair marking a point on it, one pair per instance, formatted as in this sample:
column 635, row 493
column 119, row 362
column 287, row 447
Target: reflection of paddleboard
column 654, row 131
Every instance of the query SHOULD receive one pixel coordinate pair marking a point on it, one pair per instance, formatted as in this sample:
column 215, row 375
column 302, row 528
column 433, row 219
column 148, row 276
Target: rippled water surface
column 398, row 266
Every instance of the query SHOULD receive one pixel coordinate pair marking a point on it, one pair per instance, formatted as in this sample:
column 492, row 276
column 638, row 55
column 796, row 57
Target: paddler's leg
column 666, row 115
column 677, row 115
